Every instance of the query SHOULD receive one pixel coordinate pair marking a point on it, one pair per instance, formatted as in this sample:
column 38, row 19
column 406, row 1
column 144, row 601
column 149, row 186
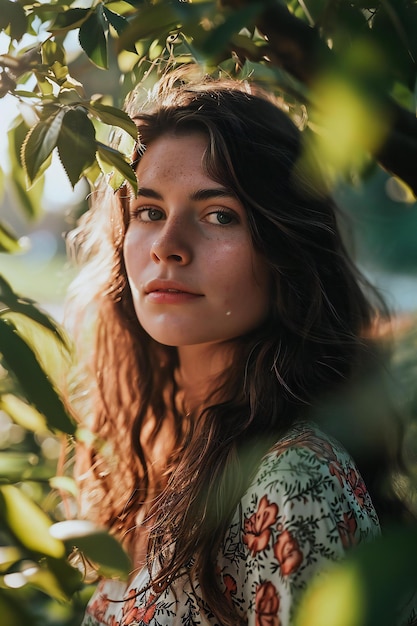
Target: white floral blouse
column 306, row 506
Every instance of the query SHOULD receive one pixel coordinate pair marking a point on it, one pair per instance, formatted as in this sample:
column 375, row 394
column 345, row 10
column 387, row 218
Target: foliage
column 346, row 72
column 34, row 354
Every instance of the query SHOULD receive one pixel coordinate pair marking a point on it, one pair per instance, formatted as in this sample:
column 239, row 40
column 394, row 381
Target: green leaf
column 219, row 38
column 30, row 200
column 1, row 184
column 70, row 579
column 117, row 161
column 76, row 143
column 19, row 466
column 36, row 386
column 151, row 21
column 43, row 579
column 9, row 555
column 8, row 241
column 52, row 52
column 12, row 14
column 69, row 20
column 23, row 414
column 96, row 544
column 114, row 117
column 49, row 347
column 368, row 588
column 40, row 142
column 64, row 483
column 118, row 22
column 16, row 510
column 12, row 613
column 93, row 40
column 25, row 306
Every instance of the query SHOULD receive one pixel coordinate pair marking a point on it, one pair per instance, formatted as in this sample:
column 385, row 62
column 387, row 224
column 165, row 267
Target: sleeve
column 303, row 511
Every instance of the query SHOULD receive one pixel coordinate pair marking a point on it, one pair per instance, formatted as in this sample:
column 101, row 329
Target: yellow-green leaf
column 30, row 200
column 52, row 51
column 120, row 169
column 8, row 241
column 23, row 414
column 17, row 510
column 34, row 382
column 114, row 117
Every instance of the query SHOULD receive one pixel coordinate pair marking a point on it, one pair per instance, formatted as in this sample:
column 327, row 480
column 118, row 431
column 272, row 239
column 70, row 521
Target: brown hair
column 311, row 344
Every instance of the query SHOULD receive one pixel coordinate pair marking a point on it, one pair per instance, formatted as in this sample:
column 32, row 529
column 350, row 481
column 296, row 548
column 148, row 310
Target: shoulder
column 308, row 476
column 306, row 506
column 304, row 454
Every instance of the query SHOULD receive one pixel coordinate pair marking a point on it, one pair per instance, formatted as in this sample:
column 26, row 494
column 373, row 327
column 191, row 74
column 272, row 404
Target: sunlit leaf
column 23, row 414
column 16, row 303
column 18, row 466
column 30, row 200
column 96, row 544
column 52, row 51
column 16, row 509
column 76, row 143
column 118, row 22
column 369, row 588
column 33, row 381
column 9, row 555
column 93, row 40
column 44, row 579
column 348, row 130
column 114, row 117
column 151, row 21
column 40, row 142
column 8, row 241
column 70, row 19
column 119, row 170
column 64, row 483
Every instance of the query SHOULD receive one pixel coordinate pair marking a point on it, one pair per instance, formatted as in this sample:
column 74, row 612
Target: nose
column 173, row 244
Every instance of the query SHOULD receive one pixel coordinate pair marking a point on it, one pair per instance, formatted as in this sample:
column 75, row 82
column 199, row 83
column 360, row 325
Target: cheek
column 248, row 283
column 132, row 256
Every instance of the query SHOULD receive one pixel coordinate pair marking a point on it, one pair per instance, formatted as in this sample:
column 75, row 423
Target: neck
column 199, row 372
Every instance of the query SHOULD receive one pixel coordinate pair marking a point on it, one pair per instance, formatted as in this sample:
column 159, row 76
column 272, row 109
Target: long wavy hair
column 313, row 343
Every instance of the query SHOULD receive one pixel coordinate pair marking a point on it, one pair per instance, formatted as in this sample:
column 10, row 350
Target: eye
column 148, row 214
column 222, row 217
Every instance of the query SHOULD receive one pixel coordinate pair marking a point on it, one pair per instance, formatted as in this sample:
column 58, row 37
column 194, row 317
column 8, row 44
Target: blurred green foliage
column 346, row 72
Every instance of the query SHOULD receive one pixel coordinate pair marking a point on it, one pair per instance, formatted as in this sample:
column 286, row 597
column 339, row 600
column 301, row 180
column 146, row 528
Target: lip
column 169, row 292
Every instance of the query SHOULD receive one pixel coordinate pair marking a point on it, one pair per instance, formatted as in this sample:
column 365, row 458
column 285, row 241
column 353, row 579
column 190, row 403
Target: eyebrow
column 200, row 194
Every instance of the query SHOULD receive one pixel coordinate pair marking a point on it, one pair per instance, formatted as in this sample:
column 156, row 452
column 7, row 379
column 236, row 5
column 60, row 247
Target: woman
column 226, row 312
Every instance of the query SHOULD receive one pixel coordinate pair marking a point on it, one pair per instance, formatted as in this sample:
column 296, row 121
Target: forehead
column 172, row 156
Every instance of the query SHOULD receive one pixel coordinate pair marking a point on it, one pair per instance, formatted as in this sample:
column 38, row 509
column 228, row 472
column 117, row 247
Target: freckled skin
column 200, row 241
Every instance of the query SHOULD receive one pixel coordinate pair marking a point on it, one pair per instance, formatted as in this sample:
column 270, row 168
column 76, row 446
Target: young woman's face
column 194, row 275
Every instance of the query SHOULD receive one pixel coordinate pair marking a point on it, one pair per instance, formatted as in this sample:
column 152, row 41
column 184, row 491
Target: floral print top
column 306, row 506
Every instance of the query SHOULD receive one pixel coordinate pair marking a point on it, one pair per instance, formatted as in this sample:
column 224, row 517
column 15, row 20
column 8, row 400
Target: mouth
column 169, row 287
column 169, row 291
